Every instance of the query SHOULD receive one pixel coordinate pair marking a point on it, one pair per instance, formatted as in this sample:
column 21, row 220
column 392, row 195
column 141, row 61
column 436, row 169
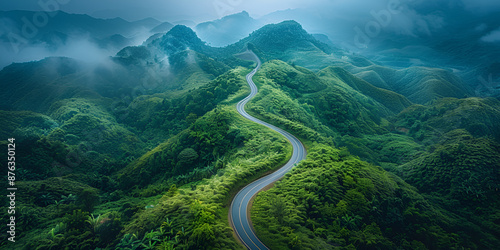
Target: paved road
column 238, row 211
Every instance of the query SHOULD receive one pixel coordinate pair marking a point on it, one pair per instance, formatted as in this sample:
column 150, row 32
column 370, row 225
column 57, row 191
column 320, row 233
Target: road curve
column 239, row 207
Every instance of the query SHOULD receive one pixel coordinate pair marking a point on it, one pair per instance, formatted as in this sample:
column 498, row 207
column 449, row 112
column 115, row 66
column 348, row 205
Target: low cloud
column 81, row 49
column 492, row 37
column 482, row 6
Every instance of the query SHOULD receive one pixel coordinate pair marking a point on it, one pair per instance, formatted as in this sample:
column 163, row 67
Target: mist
column 17, row 47
column 82, row 50
column 355, row 25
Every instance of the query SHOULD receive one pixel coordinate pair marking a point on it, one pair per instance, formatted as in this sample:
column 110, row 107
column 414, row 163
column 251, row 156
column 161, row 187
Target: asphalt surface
column 239, row 207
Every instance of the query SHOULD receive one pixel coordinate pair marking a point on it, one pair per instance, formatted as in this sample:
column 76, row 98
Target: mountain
column 474, row 172
column 271, row 41
column 393, row 101
column 146, row 147
column 63, row 33
column 276, row 39
column 71, row 24
column 288, row 41
column 418, row 84
column 178, row 39
column 347, row 202
column 477, row 116
column 343, row 201
column 162, row 28
column 42, row 84
column 456, row 44
column 228, row 30
column 147, row 22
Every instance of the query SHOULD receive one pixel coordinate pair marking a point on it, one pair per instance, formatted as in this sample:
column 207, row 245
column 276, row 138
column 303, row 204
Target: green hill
column 39, row 84
column 418, row 84
column 393, row 101
column 335, row 200
column 460, row 173
column 146, row 149
column 478, row 116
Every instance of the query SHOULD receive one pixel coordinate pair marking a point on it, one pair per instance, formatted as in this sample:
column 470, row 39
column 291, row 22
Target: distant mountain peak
column 243, row 14
column 286, row 30
column 291, row 24
column 179, row 38
column 277, row 38
column 227, row 30
column 148, row 19
column 184, row 32
column 290, row 27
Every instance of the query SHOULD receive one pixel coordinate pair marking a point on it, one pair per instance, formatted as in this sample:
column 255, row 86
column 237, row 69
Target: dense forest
column 438, row 188
column 147, row 152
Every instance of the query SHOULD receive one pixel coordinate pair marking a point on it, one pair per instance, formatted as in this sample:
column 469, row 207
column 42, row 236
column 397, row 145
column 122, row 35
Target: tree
column 187, row 156
column 278, row 207
column 191, row 118
column 294, row 242
column 88, row 198
column 203, row 234
column 76, row 220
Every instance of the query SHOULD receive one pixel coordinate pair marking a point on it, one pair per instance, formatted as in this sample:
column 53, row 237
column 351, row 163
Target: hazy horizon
column 171, row 11
column 354, row 25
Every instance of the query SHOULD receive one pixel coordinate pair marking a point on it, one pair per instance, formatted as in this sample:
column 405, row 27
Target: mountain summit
column 227, row 30
column 180, row 38
column 277, row 38
column 272, row 41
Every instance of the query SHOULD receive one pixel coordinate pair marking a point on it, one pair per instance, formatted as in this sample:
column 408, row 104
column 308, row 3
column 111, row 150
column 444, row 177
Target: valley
column 278, row 140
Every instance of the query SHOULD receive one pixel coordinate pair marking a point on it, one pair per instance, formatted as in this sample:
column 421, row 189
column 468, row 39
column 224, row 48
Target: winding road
column 238, row 214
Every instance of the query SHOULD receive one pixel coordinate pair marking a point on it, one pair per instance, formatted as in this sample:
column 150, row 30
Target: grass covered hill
column 393, row 101
column 418, row 84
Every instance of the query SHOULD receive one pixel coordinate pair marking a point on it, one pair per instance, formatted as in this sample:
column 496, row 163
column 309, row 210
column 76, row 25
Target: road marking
column 298, row 154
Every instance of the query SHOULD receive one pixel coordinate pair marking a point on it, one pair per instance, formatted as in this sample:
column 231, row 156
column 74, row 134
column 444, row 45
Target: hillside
column 68, row 35
column 393, row 101
column 75, row 24
column 227, row 30
column 478, row 116
column 334, row 200
column 294, row 214
column 418, row 84
column 352, row 208
column 146, row 149
column 162, row 28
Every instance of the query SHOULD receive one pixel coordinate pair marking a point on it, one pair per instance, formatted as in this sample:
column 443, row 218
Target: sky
column 346, row 22
column 203, row 10
column 164, row 10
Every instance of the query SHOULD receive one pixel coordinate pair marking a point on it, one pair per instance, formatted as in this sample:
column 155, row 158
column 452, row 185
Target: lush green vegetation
column 146, row 151
column 313, row 206
column 334, row 200
column 98, row 178
column 190, row 213
column 418, row 84
column 478, row 116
